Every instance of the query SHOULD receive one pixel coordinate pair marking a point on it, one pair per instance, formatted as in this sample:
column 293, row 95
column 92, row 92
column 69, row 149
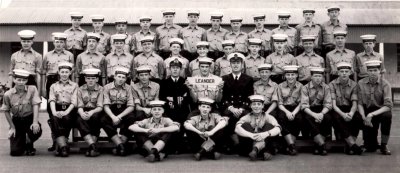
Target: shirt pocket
column 113, row 95
column 123, row 96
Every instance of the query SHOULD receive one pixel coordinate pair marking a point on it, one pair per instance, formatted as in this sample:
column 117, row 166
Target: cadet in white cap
column 202, row 50
column 153, row 134
column 375, row 106
column 205, row 130
column 262, row 33
column 284, row 28
column 309, row 27
column 176, row 45
column 256, row 138
column 21, row 108
column 316, row 102
column 104, row 45
column 368, row 54
column 151, row 59
column 145, row 23
column 165, row 32
column 279, row 58
column 63, row 105
column 215, row 35
column 118, row 105
column 121, row 26
column 253, row 59
column 222, row 64
column 76, row 36
column 237, row 35
column 330, row 26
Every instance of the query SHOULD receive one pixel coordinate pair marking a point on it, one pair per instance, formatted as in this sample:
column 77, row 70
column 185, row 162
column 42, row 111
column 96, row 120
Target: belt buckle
column 64, row 106
column 118, row 106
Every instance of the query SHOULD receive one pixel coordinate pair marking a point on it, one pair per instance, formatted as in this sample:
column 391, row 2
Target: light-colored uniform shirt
column 64, row 94
column 151, row 122
column 145, row 94
column 291, row 33
column 251, row 65
column 327, row 31
column 240, row 40
column 114, row 60
column 88, row 60
column 137, row 45
column 344, row 94
column 164, row 33
column 269, row 91
column 30, row 61
column 258, row 122
column 121, row 95
column 278, row 61
column 194, row 67
column 205, row 124
column 20, row 104
column 90, row 98
column 190, row 36
column 154, row 61
column 104, row 44
column 309, row 29
column 205, row 90
column 76, row 38
column 52, row 58
column 215, row 38
column 128, row 43
column 335, row 56
column 312, row 95
column 363, row 57
column 305, row 62
column 377, row 94
column 264, row 35
column 223, row 66
column 288, row 96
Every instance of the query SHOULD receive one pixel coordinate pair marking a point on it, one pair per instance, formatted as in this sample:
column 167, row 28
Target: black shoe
column 151, row 157
column 322, row 150
column 199, row 154
column 267, row 156
column 156, row 154
column 253, row 154
column 385, row 150
column 292, row 150
column 216, row 155
column 371, row 148
column 64, row 152
column 29, row 150
column 92, row 151
column 316, row 150
column 52, row 148
column 121, row 150
column 356, row 149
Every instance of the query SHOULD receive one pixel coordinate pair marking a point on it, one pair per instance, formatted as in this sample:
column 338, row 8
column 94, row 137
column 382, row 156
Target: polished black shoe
column 385, row 150
column 52, row 147
column 64, row 152
column 356, row 149
column 322, row 150
column 292, row 150
column 121, row 150
column 92, row 151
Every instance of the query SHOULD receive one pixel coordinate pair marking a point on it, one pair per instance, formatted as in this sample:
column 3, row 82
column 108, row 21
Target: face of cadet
column 308, row 16
column 91, row 81
column 147, row 46
column 76, row 22
column 98, row 26
column 374, row 73
column 202, row 51
column 92, row 44
column 157, row 112
column 291, row 77
column 308, row 46
column 283, row 21
column 259, row 23
column 254, row 49
column 236, row 26
column 344, row 73
column 236, row 66
column 280, row 45
column 169, row 18
column 264, row 74
column 334, row 14
column 59, row 44
column 26, row 44
column 257, row 107
column 228, row 50
column 175, row 70
column 369, row 46
column 145, row 24
column 215, row 23
column 144, row 77
column 204, row 109
column 340, row 41
column 175, row 49
column 20, row 81
column 119, row 44
column 193, row 19
column 120, row 79
column 204, row 69
column 64, row 74
column 121, row 28
column 317, row 78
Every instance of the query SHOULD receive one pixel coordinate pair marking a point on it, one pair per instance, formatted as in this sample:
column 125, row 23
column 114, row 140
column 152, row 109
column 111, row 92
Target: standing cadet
column 330, row 26
column 309, row 27
column 284, row 28
column 205, row 131
column 222, row 64
column 21, row 108
column 194, row 65
column 104, row 44
column 256, row 130
column 262, row 33
column 346, row 121
column 375, row 106
column 118, row 105
column 215, row 36
column 175, row 47
column 91, row 58
column 279, row 58
column 165, row 32
column 63, row 103
column 76, row 36
column 238, row 36
column 191, row 35
column 154, row 133
column 316, row 102
column 368, row 54
column 308, row 59
column 119, row 57
column 145, row 23
column 27, row 59
column 289, row 115
column 151, row 59
column 253, row 60
column 339, row 54
column 121, row 25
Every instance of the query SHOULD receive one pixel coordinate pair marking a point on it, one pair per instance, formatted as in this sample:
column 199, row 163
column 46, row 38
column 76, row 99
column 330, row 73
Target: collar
column 113, row 85
column 153, row 120
column 73, row 29
column 115, row 52
column 14, row 89
column 152, row 54
column 367, row 54
column 315, row 86
column 251, row 57
column 175, row 78
column 286, row 84
column 337, row 23
column 30, row 50
column 69, row 82
column 88, row 52
column 337, row 81
column 96, row 87
column 234, row 76
column 280, row 27
column 340, row 51
column 147, row 33
column 309, row 54
column 172, row 26
column 102, row 33
column 240, row 33
column 309, row 25
column 55, row 52
column 277, row 53
column 151, row 85
column 262, row 30
column 269, row 83
column 218, row 30
column 193, row 27
column 368, row 82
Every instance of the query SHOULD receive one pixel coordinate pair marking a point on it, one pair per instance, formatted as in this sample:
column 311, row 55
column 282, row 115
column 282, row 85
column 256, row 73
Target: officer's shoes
column 52, row 147
column 120, row 150
column 385, row 150
column 356, row 149
column 267, row 156
column 292, row 150
column 253, row 154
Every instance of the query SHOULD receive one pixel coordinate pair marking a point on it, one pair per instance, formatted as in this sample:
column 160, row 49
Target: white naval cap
column 168, row 12
column 121, row 70
column 193, row 12
column 368, row 38
column 373, row 64
column 143, row 69
column 279, row 37
column 26, row 34
column 264, row 67
column 145, row 18
column 339, row 33
column 343, row 65
column 216, row 15
column 76, row 15
column 148, row 38
column 20, row 73
column 92, row 35
column 97, row 18
column 59, row 36
column 121, row 21
column 317, row 70
column 205, row 101
column 156, row 103
column 333, row 7
column 91, row 72
column 257, row 98
column 205, row 60
column 306, row 38
column 290, row 68
column 258, row 16
column 228, row 43
column 283, row 14
column 202, row 44
column 255, row 41
column 175, row 41
column 236, row 19
column 118, row 37
column 65, row 65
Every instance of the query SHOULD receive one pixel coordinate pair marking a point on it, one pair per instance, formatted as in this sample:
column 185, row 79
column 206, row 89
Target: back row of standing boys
column 244, row 101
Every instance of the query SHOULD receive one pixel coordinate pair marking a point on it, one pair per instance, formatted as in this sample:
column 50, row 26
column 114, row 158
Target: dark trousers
column 111, row 129
column 51, row 79
column 215, row 54
column 164, row 53
column 18, row 144
column 141, row 138
column 346, row 129
column 278, row 78
column 31, row 81
column 247, row 144
column 230, row 128
column 189, row 55
column 63, row 125
column 91, row 126
column 75, row 52
column 178, row 114
column 384, row 120
column 292, row 127
column 324, row 127
column 196, row 141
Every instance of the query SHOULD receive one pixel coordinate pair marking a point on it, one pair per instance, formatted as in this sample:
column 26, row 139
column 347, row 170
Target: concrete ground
column 305, row 162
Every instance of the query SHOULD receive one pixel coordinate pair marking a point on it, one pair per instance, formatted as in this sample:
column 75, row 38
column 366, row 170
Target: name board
column 213, row 80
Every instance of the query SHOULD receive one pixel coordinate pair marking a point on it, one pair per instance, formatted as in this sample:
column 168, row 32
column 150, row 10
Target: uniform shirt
column 163, row 34
column 309, row 29
column 190, row 36
column 184, row 69
column 258, row 122
column 52, row 58
column 104, row 44
column 64, row 94
column 278, row 61
column 205, row 90
column 215, row 38
column 374, row 94
column 194, row 67
column 90, row 98
column 312, row 95
column 290, row 32
column 114, row 60
column 87, row 60
column 205, row 123
column 223, row 66
column 327, row 31
column 137, row 45
column 336, row 56
column 240, row 40
column 150, row 123
column 121, row 95
column 20, row 104
column 30, row 61
column 145, row 94
column 76, row 38
column 264, row 35
column 363, row 57
column 305, row 62
column 288, row 96
column 154, row 61
column 344, row 94
column 251, row 65
column 128, row 43
column 269, row 91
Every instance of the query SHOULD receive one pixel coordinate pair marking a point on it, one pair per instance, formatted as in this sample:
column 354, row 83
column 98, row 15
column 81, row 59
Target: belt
column 64, row 105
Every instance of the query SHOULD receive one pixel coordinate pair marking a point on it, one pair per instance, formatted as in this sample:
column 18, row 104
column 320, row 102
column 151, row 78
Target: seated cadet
column 63, row 102
column 21, row 108
column 289, row 115
column 256, row 129
column 279, row 58
column 175, row 47
column 118, row 106
column 316, row 101
column 222, row 64
column 345, row 119
column 144, row 92
column 90, row 109
column 368, row 54
column 194, row 65
column 153, row 133
column 204, row 130
column 267, row 88
column 254, row 59
column 375, row 106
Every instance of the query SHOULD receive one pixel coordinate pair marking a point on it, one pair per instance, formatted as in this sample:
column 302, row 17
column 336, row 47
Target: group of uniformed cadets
column 266, row 83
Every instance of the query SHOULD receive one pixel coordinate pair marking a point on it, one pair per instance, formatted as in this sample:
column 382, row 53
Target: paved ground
column 304, row 162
